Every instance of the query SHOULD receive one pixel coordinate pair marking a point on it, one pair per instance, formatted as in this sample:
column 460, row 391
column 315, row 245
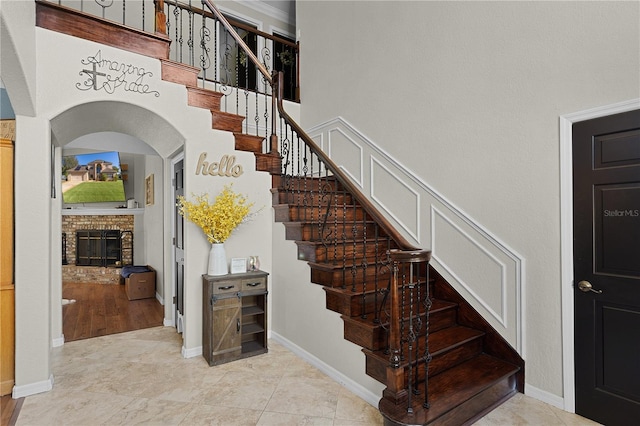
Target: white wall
column 468, row 95
column 18, row 62
column 167, row 124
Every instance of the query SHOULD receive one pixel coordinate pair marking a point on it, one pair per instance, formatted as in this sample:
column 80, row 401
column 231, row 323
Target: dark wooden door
column 606, row 176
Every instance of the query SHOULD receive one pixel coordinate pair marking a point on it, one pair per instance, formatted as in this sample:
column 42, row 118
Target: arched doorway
column 145, row 142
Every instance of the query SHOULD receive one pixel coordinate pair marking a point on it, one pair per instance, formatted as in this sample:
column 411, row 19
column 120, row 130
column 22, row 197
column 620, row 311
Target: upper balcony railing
column 199, row 40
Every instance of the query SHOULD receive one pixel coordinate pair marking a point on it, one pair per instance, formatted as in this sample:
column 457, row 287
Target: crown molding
column 266, row 9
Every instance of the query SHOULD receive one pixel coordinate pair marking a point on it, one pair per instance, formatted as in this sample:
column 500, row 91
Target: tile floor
column 140, row 377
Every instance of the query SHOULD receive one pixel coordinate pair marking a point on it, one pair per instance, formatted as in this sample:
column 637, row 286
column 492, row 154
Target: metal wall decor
column 109, row 75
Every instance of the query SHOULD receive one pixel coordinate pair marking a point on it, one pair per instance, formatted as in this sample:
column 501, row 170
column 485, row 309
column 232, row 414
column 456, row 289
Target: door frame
column 566, row 237
column 174, row 160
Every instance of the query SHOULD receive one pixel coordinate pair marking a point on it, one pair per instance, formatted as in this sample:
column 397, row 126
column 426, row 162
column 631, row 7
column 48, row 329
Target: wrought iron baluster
column 205, row 37
column 354, row 253
column 190, row 15
column 364, row 266
column 376, row 319
column 411, row 339
column 305, row 174
column 427, row 355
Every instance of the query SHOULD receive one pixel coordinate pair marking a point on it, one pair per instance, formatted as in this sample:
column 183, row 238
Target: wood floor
column 9, row 409
column 102, row 309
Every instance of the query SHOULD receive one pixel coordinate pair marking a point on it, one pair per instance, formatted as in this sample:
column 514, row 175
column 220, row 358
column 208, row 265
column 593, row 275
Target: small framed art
column 238, row 265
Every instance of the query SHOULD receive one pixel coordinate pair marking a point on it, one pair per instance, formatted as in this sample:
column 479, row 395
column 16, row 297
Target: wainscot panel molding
column 481, row 267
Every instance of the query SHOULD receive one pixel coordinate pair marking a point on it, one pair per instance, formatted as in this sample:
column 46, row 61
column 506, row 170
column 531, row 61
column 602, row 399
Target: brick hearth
column 93, row 274
column 90, row 274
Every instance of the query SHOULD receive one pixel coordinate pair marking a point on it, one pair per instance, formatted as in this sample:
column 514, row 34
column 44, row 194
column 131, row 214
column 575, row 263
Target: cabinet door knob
column 238, row 326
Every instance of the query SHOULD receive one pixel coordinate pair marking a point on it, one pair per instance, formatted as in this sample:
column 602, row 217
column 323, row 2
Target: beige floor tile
column 150, row 412
column 70, row 408
column 304, row 395
column 221, row 416
column 141, row 377
column 524, row 410
column 354, row 409
column 242, row 390
column 281, row 419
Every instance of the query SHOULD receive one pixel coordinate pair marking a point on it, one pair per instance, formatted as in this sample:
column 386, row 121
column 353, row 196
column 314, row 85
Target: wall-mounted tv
column 92, row 178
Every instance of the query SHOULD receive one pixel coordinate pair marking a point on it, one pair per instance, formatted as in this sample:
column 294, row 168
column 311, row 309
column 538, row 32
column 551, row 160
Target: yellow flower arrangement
column 217, row 220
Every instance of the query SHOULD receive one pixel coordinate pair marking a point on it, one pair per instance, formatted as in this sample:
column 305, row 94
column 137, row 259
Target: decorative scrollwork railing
column 357, row 239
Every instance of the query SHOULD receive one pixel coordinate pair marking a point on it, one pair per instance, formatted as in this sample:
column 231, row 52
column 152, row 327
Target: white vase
column 217, row 260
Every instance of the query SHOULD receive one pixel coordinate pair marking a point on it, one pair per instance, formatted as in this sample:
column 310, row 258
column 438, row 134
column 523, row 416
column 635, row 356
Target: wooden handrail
column 277, row 98
column 371, row 210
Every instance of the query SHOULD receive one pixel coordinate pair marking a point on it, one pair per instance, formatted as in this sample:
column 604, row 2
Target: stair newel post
column 395, row 390
column 277, row 93
column 405, row 284
column 161, row 18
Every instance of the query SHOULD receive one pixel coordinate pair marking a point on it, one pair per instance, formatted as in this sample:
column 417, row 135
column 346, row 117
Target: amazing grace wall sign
column 103, row 74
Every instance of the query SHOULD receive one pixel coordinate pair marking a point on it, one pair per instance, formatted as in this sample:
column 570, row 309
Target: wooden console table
column 234, row 316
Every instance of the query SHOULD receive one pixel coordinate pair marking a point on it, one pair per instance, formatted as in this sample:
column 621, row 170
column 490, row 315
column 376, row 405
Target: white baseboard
column 58, row 341
column 191, row 353
column 168, row 322
column 160, row 299
column 32, row 388
column 544, row 396
column 345, row 381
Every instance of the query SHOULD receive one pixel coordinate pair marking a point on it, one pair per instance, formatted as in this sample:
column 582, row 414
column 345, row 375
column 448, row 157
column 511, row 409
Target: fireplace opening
column 98, row 247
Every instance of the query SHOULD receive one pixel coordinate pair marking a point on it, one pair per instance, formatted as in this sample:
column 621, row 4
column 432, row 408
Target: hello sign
column 226, row 167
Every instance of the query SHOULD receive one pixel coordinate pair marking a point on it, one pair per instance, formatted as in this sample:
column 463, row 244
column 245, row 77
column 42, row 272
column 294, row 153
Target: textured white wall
column 167, row 124
column 468, row 96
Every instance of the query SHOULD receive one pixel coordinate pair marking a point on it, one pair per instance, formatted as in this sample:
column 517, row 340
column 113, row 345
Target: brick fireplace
column 92, row 270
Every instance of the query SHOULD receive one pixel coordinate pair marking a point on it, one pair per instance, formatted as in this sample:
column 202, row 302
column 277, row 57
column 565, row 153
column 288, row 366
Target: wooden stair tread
column 469, row 379
column 437, row 306
column 441, row 341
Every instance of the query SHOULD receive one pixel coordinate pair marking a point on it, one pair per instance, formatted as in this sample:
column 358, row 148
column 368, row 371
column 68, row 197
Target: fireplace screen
column 98, row 248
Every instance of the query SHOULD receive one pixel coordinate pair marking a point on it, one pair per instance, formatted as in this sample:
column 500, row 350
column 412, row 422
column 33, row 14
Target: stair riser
column 297, row 231
column 179, row 73
column 377, row 368
column 270, row 163
column 201, row 98
column 313, row 214
column 350, row 305
column 228, row 122
column 366, row 337
column 319, row 253
column 295, row 184
column 248, row 143
column 309, row 198
column 374, row 337
column 336, row 278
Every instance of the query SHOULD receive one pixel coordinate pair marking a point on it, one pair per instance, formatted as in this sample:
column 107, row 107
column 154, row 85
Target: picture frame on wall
column 148, row 190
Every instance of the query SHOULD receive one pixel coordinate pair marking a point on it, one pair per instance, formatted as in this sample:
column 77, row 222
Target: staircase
column 441, row 361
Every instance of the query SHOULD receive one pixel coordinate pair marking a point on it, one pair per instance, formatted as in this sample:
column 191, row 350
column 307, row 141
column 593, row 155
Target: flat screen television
column 92, row 178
